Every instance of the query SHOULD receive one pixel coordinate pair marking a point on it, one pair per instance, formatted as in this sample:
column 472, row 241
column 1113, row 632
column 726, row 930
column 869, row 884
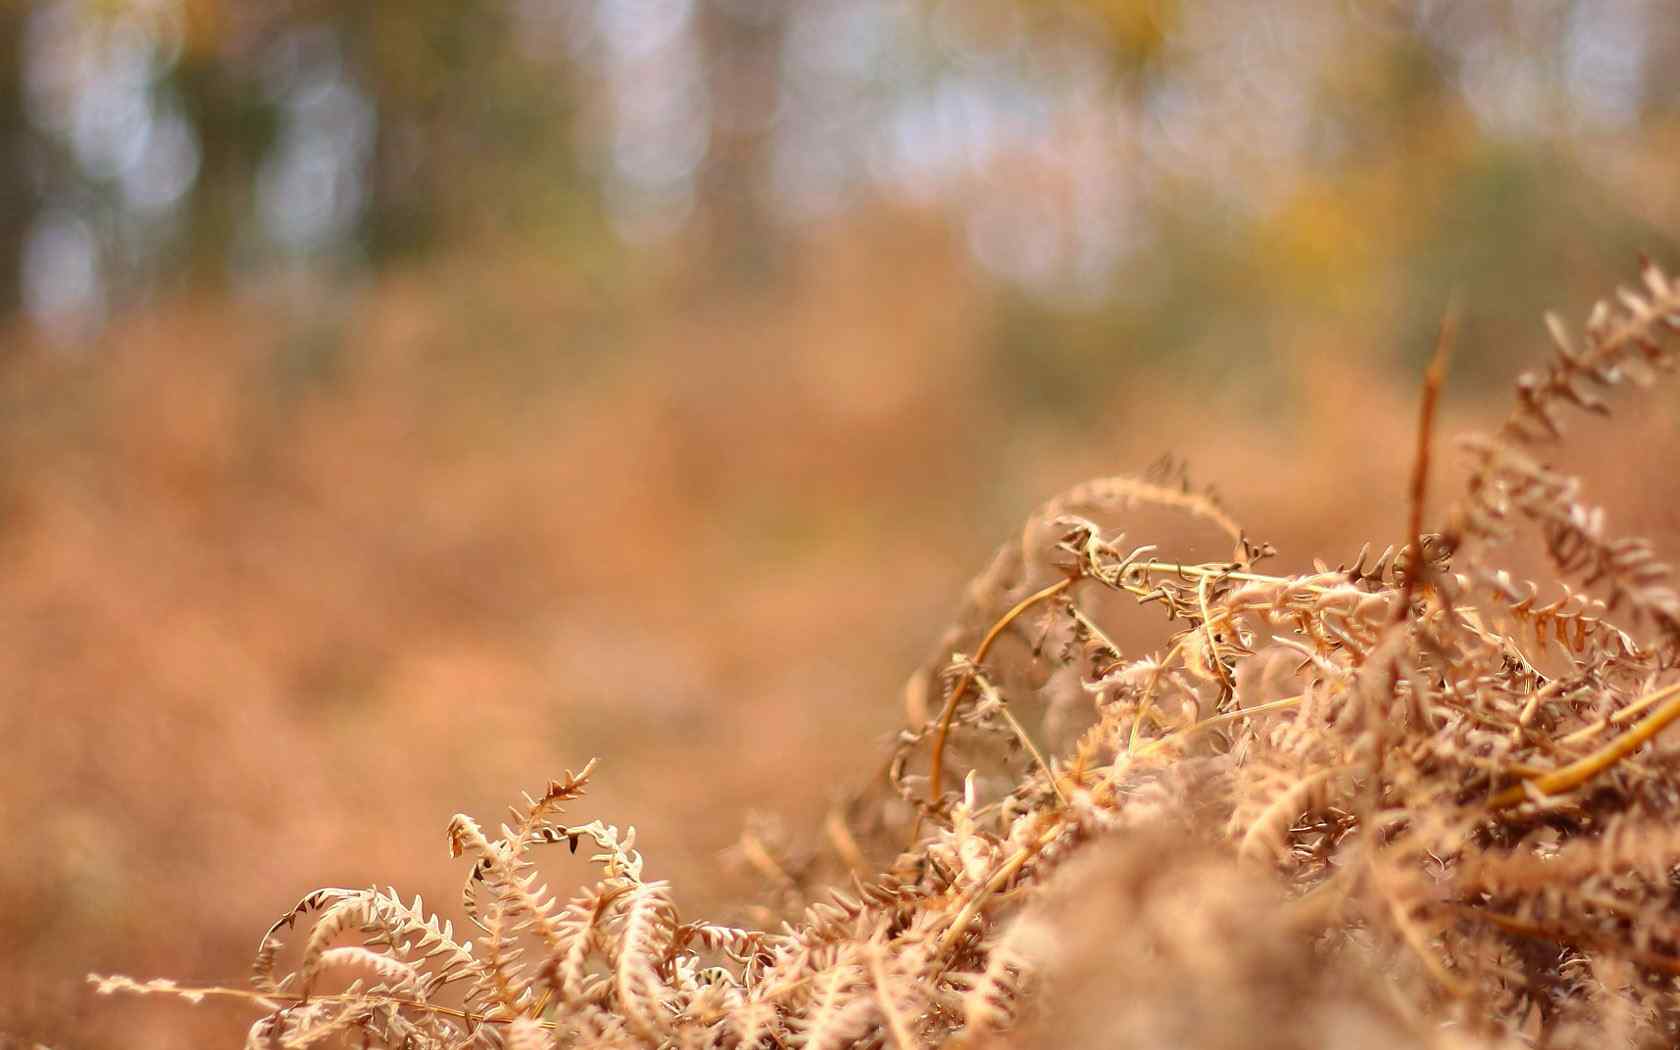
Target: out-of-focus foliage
column 1122, row 157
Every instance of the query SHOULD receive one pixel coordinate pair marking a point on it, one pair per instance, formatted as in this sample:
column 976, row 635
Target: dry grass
column 1407, row 800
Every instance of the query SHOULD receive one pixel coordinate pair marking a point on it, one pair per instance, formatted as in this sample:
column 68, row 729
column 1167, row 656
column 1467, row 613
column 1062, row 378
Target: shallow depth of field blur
column 403, row 402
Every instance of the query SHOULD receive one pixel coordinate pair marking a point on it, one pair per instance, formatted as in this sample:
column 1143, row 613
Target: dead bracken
column 1407, row 800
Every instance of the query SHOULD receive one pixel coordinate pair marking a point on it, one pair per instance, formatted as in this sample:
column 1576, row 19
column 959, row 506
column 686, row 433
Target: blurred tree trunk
column 17, row 192
column 235, row 126
column 741, row 46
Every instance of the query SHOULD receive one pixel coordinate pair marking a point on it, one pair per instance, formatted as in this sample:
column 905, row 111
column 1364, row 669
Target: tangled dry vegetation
column 1409, row 800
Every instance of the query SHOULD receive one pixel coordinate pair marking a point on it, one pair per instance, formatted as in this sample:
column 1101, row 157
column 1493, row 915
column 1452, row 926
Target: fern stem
column 1032, row 748
column 1579, row 772
column 1009, row 870
column 936, row 767
column 268, row 1000
column 1147, row 701
column 1626, row 714
column 1208, row 723
column 901, row 1036
column 1522, row 927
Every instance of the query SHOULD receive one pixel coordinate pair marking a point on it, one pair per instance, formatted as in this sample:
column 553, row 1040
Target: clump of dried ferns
column 1406, row 800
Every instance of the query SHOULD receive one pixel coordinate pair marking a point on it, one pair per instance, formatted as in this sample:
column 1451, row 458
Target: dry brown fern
column 1348, row 804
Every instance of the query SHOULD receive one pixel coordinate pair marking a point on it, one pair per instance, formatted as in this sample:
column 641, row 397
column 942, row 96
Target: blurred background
column 401, row 402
